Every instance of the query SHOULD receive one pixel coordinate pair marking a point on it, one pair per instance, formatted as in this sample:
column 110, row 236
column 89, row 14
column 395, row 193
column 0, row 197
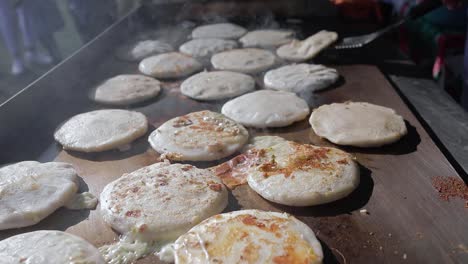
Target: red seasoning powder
column 451, row 187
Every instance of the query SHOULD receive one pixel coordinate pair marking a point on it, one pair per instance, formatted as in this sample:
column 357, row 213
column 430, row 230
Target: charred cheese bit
column 249, row 236
column 304, row 157
column 235, row 171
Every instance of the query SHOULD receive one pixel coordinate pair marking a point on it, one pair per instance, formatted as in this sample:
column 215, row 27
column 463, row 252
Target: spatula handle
column 423, row 8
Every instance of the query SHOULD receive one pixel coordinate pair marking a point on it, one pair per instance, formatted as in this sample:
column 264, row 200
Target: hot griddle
column 405, row 221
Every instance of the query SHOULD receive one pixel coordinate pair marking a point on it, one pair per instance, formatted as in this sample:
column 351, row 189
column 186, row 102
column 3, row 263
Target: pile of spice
column 451, row 187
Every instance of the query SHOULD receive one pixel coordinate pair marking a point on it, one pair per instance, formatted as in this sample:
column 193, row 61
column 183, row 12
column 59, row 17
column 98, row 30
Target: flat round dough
column 248, row 60
column 266, row 108
column 220, row 30
column 198, row 136
column 162, row 201
column 358, row 124
column 296, row 174
column 47, row 247
column 139, row 50
column 307, row 49
column 217, row 85
column 126, row 89
column 101, row 130
column 169, row 65
column 299, row 78
column 267, row 38
column 202, row 48
column 249, row 236
column 30, row 191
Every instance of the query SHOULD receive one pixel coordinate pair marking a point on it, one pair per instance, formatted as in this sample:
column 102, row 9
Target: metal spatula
column 360, row 41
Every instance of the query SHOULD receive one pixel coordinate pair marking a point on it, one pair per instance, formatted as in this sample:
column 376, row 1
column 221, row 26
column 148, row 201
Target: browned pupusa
column 249, row 236
column 197, row 136
column 161, row 201
column 301, row 174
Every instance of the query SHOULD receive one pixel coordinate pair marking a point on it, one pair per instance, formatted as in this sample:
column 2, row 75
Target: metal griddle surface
column 407, row 222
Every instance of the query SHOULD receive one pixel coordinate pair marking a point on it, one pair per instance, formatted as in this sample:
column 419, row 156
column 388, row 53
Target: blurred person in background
column 454, row 17
column 92, row 16
column 452, row 4
column 9, row 29
column 38, row 21
column 438, row 40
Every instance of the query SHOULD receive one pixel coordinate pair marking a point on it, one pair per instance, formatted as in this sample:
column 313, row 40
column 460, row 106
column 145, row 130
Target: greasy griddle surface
column 405, row 219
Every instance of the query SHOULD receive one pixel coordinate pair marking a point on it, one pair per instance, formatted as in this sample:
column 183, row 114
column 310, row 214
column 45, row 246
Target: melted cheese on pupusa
column 134, row 245
column 291, row 173
column 234, row 172
column 84, row 200
column 249, row 236
column 48, row 247
column 128, row 250
column 154, row 205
